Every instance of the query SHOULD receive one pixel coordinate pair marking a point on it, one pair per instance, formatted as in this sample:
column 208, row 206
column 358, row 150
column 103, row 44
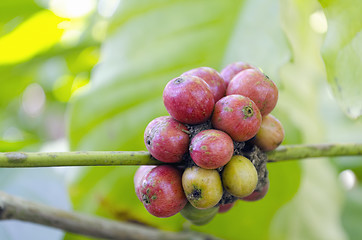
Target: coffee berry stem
column 133, row 158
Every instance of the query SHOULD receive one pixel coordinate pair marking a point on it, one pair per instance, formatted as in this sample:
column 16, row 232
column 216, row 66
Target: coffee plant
column 180, row 119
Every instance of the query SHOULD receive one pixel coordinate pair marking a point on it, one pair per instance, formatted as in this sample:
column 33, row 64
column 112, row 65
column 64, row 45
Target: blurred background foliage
column 89, row 75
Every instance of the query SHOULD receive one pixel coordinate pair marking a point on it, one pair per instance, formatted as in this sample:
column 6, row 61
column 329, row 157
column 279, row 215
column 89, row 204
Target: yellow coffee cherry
column 202, row 187
column 239, row 176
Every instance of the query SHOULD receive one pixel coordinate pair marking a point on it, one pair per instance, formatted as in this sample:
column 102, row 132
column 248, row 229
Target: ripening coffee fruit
column 239, row 176
column 212, row 78
column 253, row 84
column 161, row 191
column 238, row 116
column 188, row 99
column 270, row 134
column 202, row 187
column 198, row 216
column 257, row 195
column 211, row 149
column 232, row 69
column 166, row 139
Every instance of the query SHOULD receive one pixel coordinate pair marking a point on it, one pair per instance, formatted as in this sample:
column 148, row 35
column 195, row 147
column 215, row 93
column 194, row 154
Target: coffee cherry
column 198, row 216
column 270, row 134
column 141, row 172
column 239, row 176
column 223, row 208
column 166, row 139
column 253, row 84
column 212, row 78
column 203, row 187
column 161, row 191
column 257, row 195
column 211, row 149
column 232, row 69
column 238, row 116
column 188, row 99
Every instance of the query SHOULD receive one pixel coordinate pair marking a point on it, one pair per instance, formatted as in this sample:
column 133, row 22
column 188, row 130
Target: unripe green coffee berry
column 198, row 216
column 239, row 176
column 202, row 187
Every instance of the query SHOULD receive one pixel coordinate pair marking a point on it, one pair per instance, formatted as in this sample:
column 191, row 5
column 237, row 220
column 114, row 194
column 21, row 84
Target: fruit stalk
column 117, row 158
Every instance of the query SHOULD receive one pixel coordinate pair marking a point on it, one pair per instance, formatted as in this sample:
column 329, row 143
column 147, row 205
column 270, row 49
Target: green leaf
column 11, row 14
column 141, row 67
column 259, row 39
column 12, row 146
column 314, row 213
column 342, row 52
column 314, row 210
column 344, row 130
column 13, row 47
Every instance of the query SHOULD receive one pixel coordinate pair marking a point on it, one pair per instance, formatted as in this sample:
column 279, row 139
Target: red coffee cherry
column 188, row 99
column 161, row 191
column 212, row 78
column 238, row 116
column 232, row 69
column 141, row 172
column 211, row 149
column 253, row 84
column 166, row 139
column 223, row 208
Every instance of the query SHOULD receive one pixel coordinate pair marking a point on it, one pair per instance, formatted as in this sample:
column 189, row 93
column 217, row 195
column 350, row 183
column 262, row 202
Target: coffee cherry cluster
column 213, row 143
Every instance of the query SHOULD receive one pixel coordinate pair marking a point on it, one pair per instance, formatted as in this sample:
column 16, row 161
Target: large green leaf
column 149, row 44
column 342, row 129
column 259, row 39
column 140, row 57
column 342, row 52
column 14, row 12
column 314, row 213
